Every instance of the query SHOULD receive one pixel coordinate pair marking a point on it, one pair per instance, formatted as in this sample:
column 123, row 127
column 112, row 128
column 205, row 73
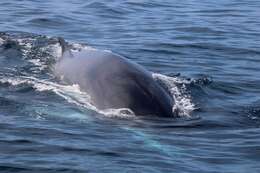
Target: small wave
column 253, row 112
column 203, row 81
column 48, row 22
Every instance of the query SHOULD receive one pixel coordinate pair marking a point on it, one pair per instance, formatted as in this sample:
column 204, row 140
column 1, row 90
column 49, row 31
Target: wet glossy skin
column 112, row 81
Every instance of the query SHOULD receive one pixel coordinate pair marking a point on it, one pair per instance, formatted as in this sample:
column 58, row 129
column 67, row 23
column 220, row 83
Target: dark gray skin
column 112, row 81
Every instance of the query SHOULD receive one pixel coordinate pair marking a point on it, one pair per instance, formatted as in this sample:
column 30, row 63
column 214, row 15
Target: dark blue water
column 210, row 52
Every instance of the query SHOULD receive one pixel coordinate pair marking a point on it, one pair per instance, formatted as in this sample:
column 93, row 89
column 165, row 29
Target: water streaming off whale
column 206, row 54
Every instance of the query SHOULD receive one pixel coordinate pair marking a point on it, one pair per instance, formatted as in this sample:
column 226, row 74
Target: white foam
column 76, row 47
column 183, row 102
column 1, row 41
column 27, row 44
column 118, row 113
column 36, row 62
column 13, row 81
column 72, row 93
column 54, row 49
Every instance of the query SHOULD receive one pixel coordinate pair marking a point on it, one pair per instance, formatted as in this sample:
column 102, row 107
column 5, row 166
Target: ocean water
column 206, row 52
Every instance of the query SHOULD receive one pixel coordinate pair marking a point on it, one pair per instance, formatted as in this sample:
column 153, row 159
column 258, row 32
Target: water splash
column 177, row 87
column 71, row 93
column 41, row 51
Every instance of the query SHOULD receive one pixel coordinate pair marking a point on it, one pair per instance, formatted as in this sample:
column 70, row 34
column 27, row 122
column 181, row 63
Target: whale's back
column 112, row 81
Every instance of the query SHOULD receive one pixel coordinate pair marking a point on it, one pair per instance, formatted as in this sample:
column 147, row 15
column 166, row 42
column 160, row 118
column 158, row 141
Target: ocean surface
column 207, row 53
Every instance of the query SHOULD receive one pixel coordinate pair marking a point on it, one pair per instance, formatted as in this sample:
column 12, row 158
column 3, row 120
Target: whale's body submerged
column 114, row 82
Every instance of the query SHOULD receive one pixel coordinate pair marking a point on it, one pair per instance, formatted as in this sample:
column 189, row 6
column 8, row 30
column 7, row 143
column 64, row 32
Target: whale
column 113, row 82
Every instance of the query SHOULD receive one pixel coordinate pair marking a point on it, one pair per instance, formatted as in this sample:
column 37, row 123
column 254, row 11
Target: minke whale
column 113, row 81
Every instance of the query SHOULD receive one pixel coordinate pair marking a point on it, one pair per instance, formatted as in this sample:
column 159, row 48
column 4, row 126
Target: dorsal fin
column 64, row 45
column 65, row 48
